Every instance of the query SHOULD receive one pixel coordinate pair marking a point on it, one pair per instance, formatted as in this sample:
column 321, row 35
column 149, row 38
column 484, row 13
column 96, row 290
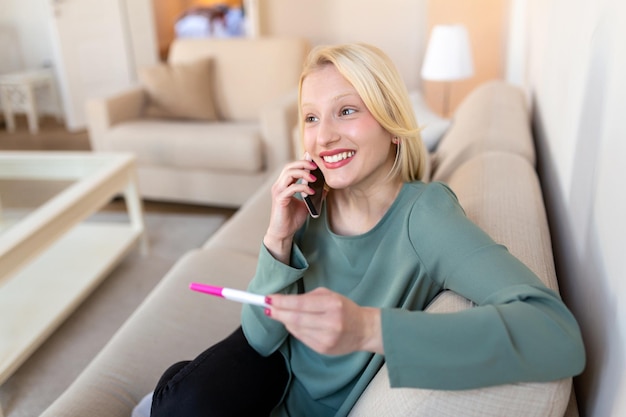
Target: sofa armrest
column 546, row 399
column 278, row 118
column 104, row 113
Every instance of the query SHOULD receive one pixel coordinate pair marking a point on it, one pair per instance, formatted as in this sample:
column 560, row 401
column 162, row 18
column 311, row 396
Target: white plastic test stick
column 230, row 294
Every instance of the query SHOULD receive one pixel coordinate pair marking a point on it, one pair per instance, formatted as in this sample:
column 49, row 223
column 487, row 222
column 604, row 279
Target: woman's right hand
column 288, row 213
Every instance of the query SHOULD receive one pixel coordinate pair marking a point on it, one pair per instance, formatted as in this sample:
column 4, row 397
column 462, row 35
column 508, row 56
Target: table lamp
column 448, row 58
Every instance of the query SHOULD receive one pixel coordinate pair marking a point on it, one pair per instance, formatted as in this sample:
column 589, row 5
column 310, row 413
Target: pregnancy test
column 230, row 294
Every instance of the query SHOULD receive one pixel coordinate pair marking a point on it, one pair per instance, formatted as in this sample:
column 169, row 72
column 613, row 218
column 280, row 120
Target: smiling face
column 340, row 133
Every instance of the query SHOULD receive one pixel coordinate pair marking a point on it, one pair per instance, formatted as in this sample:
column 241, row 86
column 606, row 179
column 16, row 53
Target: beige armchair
column 209, row 126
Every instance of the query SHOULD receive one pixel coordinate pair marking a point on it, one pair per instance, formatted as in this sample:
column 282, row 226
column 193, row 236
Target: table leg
column 135, row 212
column 54, row 94
column 8, row 110
column 31, row 104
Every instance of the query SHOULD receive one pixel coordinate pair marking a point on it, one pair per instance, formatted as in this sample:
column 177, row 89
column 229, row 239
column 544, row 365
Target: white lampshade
column 448, row 55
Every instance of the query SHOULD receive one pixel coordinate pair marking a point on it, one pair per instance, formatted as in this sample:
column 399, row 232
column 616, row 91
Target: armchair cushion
column 182, row 90
column 226, row 147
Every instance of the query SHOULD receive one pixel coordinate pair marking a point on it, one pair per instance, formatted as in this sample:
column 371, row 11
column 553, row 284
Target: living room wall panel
column 575, row 66
column 396, row 26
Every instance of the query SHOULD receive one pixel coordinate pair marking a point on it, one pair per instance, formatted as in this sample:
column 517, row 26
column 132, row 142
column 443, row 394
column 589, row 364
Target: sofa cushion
column 537, row 399
column 493, row 117
column 244, row 231
column 179, row 91
column 235, row 147
column 513, row 400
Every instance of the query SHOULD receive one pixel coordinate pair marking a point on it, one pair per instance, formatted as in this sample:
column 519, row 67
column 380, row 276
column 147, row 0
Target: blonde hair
column 377, row 81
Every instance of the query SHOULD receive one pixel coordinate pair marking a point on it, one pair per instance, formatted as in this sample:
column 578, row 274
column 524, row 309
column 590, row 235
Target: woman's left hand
column 328, row 322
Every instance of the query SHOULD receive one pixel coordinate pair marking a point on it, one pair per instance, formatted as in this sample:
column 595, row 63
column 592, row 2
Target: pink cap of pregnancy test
column 208, row 289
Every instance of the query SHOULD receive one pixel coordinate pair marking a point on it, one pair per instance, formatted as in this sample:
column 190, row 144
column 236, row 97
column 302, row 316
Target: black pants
column 228, row 379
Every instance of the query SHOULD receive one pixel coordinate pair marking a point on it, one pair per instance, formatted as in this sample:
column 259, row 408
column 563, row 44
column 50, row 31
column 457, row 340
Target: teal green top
column 519, row 330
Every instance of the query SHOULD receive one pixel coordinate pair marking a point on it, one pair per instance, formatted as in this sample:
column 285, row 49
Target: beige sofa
column 487, row 157
column 209, row 126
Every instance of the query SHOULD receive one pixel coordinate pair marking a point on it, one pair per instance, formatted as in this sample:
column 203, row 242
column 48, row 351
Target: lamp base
column 446, row 99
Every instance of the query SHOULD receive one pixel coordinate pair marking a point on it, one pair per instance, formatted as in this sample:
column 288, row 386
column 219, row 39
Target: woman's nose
column 327, row 132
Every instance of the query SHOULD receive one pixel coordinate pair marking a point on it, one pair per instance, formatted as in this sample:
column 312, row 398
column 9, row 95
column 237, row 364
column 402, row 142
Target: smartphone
column 314, row 202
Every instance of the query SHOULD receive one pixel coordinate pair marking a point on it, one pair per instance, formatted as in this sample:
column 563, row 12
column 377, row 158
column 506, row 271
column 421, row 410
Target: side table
column 18, row 93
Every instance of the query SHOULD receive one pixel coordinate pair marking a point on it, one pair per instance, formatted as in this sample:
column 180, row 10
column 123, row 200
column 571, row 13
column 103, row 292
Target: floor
column 53, row 136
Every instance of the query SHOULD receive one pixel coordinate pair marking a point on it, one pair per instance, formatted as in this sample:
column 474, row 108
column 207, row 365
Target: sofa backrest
column 247, row 72
column 501, row 193
column 493, row 117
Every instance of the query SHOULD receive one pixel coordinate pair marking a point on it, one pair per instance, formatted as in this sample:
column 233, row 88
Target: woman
column 348, row 288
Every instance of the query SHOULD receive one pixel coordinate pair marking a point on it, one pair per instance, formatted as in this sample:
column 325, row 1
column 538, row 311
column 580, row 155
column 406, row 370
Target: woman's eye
column 310, row 119
column 347, row 111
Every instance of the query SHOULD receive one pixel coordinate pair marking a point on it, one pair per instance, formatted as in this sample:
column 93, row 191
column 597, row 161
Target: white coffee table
column 51, row 259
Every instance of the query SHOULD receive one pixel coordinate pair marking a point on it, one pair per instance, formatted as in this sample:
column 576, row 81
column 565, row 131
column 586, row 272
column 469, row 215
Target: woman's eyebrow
column 347, row 94
column 334, row 99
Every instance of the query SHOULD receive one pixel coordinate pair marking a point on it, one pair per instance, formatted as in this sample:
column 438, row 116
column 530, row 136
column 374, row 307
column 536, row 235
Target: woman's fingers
column 288, row 214
column 325, row 321
column 301, row 312
column 288, row 180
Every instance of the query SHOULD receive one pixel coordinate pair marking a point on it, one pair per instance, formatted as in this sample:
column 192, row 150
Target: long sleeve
column 264, row 334
column 519, row 331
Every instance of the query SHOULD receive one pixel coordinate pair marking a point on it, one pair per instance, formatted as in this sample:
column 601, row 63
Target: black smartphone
column 314, row 202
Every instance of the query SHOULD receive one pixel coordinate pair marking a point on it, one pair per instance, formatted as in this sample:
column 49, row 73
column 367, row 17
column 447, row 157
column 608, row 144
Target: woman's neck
column 353, row 212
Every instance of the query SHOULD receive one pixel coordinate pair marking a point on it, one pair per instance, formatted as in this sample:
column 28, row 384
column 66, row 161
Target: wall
column 25, row 41
column 396, row 26
column 140, row 18
column 166, row 13
column 574, row 69
column 26, row 19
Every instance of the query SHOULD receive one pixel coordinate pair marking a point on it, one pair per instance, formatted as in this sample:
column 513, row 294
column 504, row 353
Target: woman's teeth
column 338, row 157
